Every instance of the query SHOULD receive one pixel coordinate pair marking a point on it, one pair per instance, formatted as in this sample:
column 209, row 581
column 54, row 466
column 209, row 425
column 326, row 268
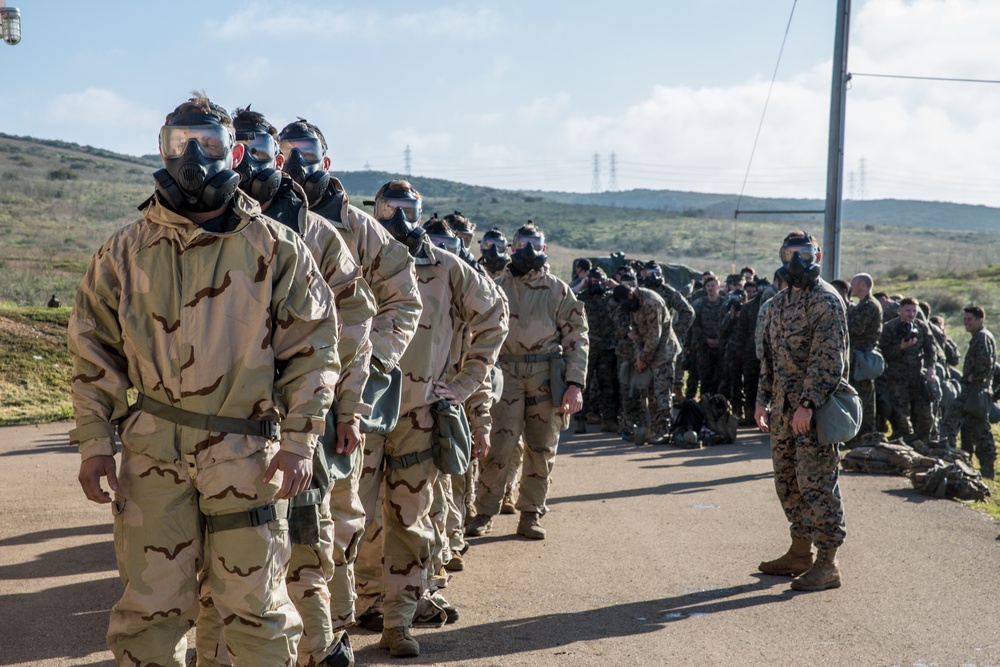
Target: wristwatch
column 807, row 404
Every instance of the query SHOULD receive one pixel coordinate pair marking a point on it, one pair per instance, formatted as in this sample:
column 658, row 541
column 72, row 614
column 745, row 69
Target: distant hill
column 59, row 201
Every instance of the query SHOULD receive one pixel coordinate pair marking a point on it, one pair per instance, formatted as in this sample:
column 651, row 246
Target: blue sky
column 521, row 94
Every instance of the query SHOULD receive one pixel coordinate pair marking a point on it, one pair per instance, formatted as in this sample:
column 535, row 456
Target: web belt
column 408, row 460
column 528, row 358
column 265, row 427
column 255, row 517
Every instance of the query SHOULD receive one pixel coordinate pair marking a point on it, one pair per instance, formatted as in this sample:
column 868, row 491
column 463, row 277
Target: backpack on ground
column 719, row 419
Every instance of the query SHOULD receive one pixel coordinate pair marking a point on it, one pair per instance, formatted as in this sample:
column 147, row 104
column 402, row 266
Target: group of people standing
column 306, row 375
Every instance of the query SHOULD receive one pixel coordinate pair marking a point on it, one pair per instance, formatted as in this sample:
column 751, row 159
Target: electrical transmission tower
column 368, row 166
column 851, row 185
column 613, row 173
column 407, row 160
column 595, row 185
column 863, row 179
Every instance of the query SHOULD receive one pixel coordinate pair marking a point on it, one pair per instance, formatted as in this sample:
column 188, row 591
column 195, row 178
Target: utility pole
column 613, row 176
column 407, row 157
column 595, row 185
column 835, row 155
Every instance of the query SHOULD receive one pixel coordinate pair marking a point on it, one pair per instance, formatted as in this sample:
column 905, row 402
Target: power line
column 923, row 78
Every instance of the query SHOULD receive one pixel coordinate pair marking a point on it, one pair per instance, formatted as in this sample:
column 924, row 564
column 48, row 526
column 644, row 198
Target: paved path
column 650, row 560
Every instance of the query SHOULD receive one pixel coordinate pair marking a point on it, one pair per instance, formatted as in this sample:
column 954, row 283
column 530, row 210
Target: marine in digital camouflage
column 977, row 376
column 911, row 415
column 681, row 317
column 631, row 410
column 707, row 325
column 147, row 315
column 805, row 357
column 602, row 364
column 656, row 346
column 864, row 325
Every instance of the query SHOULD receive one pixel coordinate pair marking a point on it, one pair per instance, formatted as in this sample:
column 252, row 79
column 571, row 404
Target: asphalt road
column 650, row 559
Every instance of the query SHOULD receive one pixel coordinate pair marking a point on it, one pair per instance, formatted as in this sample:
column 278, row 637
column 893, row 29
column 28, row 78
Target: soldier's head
column 199, row 152
column 259, row 168
column 442, row 235
column 908, row 309
column 461, row 226
column 937, row 321
column 623, row 293
column 861, row 285
column 529, row 249
column 973, row 317
column 711, row 284
column 751, row 289
column 303, row 149
column 493, row 249
column 596, row 280
column 583, row 267
column 399, row 207
column 748, row 273
column 925, row 308
column 800, row 258
column 843, row 289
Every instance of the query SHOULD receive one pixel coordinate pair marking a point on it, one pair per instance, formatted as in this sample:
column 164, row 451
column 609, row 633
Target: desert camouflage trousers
column 348, row 514
column 806, row 476
column 526, row 409
column 394, row 564
column 161, row 546
column 448, row 521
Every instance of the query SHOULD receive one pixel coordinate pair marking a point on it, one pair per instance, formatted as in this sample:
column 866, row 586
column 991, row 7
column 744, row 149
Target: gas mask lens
column 214, row 140
column 260, row 146
column 499, row 244
column 536, row 242
column 806, row 252
column 450, row 243
column 385, row 209
column 310, row 149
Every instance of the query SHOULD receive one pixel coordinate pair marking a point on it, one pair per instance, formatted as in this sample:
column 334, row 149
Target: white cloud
column 544, row 108
column 101, row 109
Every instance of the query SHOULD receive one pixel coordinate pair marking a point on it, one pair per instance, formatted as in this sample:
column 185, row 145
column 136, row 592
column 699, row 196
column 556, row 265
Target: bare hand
column 930, row 375
column 296, row 473
column 442, row 390
column 762, row 418
column 572, row 400
column 906, row 344
column 349, row 436
column 481, row 443
column 802, row 420
column 712, row 342
column 640, row 365
column 91, row 472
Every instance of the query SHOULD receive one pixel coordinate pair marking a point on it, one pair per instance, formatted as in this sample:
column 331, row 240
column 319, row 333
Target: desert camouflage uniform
column 656, row 345
column 864, row 323
column 805, row 357
column 708, row 319
column 911, row 415
column 546, row 319
column 602, row 365
column 977, row 375
column 454, row 297
column 207, row 317
column 387, row 267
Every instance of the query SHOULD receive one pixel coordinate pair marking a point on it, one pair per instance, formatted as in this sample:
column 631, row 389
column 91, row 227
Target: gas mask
column 398, row 207
column 528, row 255
column 303, row 154
column 596, row 289
column 258, row 177
column 799, row 268
column 197, row 158
column 652, row 279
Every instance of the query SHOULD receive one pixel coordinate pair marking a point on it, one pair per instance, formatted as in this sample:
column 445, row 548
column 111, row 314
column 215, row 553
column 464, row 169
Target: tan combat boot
column 528, row 526
column 797, row 560
column 507, row 504
column 400, row 642
column 479, row 526
column 821, row 576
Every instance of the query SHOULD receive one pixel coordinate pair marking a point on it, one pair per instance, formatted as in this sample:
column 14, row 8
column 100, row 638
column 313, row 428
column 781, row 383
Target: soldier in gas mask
column 192, row 293
column 493, row 252
column 387, row 267
column 804, row 361
column 437, row 365
column 544, row 363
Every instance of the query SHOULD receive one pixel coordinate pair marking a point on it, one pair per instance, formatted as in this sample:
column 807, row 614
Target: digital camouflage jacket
column 906, row 365
column 681, row 311
column 977, row 371
column 201, row 321
column 804, row 347
column 864, row 324
column 655, row 341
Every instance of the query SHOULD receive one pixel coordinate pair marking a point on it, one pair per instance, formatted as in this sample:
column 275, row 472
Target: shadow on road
column 660, row 490
column 910, row 495
column 56, row 533
column 57, row 443
column 551, row 631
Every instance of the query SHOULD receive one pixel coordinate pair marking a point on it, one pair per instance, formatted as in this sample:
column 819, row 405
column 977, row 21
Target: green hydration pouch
column 382, row 392
column 452, row 442
column 328, row 466
column 838, row 419
column 557, row 386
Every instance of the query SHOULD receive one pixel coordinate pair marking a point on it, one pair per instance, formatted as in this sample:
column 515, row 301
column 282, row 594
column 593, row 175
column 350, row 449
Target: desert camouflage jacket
column 906, row 365
column 682, row 314
column 386, row 266
column 545, row 318
column 455, row 297
column 200, row 321
column 804, row 347
column 864, row 323
column 479, row 403
column 655, row 341
column 353, row 298
column 977, row 371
